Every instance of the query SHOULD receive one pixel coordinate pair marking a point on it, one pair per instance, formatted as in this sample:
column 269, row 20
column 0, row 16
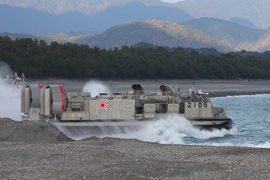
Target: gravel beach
column 38, row 150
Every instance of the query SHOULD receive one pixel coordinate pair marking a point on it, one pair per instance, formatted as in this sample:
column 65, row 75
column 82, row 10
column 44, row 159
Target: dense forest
column 37, row 59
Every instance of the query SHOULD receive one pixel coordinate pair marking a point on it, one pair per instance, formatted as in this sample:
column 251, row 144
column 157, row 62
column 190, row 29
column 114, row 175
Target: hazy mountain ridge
column 155, row 32
column 63, row 38
column 21, row 20
column 14, row 36
column 89, row 7
column 200, row 33
column 232, row 33
column 254, row 12
column 136, row 11
column 26, row 20
column 243, row 22
column 61, row 6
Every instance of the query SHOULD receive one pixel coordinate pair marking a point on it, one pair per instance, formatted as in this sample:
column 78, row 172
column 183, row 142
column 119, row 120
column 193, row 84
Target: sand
column 38, row 150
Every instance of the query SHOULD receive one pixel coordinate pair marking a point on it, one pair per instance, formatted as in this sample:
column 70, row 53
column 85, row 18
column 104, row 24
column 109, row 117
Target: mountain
column 89, row 7
column 161, row 33
column 136, row 11
column 23, row 20
column 251, row 13
column 64, row 37
column 254, row 11
column 60, row 6
column 60, row 38
column 14, row 36
column 200, row 33
column 238, row 36
column 243, row 22
column 27, row 20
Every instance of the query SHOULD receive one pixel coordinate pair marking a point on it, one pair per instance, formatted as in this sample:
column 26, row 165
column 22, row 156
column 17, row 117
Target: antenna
column 193, row 87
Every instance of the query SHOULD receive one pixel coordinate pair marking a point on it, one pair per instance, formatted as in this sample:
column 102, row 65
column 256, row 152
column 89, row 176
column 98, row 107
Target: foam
column 10, row 96
column 170, row 130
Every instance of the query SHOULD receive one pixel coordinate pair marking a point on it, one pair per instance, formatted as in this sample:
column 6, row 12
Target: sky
column 171, row 1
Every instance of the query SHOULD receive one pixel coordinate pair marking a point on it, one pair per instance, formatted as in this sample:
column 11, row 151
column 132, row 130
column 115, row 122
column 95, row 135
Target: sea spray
column 79, row 132
column 169, row 130
column 5, row 70
column 10, row 96
column 172, row 130
column 96, row 87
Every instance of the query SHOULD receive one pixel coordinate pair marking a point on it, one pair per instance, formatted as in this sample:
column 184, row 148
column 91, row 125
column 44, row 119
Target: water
column 250, row 114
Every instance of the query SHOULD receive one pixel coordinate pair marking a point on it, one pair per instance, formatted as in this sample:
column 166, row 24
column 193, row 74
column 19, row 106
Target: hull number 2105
column 197, row 104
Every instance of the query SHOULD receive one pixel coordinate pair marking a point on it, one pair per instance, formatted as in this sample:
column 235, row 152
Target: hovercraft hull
column 203, row 124
column 213, row 124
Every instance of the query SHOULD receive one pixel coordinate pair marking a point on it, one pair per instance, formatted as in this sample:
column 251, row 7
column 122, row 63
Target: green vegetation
column 162, row 33
column 37, row 59
column 238, row 36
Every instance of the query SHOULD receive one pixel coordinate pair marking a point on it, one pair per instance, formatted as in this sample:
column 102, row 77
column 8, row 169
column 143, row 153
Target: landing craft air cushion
column 51, row 103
